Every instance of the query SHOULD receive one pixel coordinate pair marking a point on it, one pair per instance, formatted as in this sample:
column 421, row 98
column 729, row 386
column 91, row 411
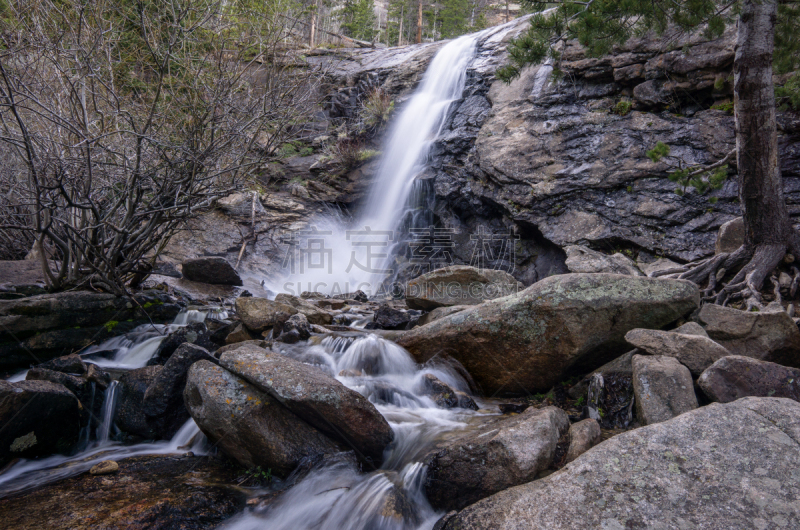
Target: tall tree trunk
column 419, row 21
column 768, row 232
column 400, row 31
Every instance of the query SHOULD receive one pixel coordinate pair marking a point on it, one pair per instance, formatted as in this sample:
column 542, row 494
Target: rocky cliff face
column 555, row 162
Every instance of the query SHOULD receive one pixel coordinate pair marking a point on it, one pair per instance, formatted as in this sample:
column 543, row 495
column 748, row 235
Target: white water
column 129, row 351
column 335, row 495
column 404, row 158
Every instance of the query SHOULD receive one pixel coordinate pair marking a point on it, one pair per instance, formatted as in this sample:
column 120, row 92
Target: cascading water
column 335, row 494
column 361, row 251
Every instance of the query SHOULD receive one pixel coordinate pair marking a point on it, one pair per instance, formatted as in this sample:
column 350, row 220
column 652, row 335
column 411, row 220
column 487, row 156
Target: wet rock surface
column 528, row 342
column 502, row 453
column 746, row 453
column 194, row 333
column 147, row 492
column 130, row 415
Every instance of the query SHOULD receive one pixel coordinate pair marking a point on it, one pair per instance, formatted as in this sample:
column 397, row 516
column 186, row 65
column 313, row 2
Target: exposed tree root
column 752, row 265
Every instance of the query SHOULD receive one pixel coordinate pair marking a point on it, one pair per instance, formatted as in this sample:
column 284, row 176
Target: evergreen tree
column 600, row 24
column 358, row 19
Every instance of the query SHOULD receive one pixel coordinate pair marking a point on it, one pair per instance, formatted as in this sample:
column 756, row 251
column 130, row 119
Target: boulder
column 260, row 314
column 730, row 236
column 582, row 436
column 721, row 466
column 769, row 335
column 295, row 329
column 163, row 400
column 239, row 334
column 446, row 396
column 313, row 313
column 38, row 418
column 320, row 400
column 129, row 414
column 586, row 260
column 387, row 317
column 662, row 388
column 211, row 270
column 459, row 285
column 248, row 424
column 91, row 399
column 693, row 351
column 735, row 377
column 502, row 453
column 68, row 364
column 569, row 323
column 195, row 333
column 440, row 312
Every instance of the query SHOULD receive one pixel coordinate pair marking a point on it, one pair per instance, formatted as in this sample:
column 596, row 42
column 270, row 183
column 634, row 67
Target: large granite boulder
column 662, row 388
column 194, row 333
column 721, row 466
column 320, row 400
column 693, row 351
column 573, row 322
column 768, row 335
column 735, row 377
column 212, row 270
column 38, row 418
column 260, row 314
column 248, row 424
column 730, row 236
column 459, row 285
column 500, row 454
column 314, row 314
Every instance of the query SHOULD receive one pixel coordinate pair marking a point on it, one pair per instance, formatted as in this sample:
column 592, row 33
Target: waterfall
column 362, row 250
column 107, row 414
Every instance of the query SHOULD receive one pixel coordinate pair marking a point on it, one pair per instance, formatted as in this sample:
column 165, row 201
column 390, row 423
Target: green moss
column 727, row 106
column 622, row 108
column 110, row 325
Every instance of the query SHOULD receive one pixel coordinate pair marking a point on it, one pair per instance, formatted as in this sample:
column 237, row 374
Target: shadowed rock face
column 735, row 377
column 574, row 322
column 720, row 466
column 505, row 452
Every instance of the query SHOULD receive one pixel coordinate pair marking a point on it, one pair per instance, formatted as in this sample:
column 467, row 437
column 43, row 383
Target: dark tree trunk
column 766, row 217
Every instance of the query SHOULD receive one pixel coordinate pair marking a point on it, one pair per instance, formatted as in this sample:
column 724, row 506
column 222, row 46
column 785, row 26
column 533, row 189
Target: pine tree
column 600, row 24
column 358, row 19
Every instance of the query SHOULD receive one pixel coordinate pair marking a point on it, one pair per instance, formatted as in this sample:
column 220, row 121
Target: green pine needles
column 701, row 179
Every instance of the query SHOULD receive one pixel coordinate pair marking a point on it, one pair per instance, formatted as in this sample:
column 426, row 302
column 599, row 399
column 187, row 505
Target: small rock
column 314, row 314
column 662, row 387
column 68, row 364
column 582, row 436
column 295, row 329
column 387, row 317
column 239, row 334
column 211, row 270
column 106, row 467
column 445, row 396
column 730, row 236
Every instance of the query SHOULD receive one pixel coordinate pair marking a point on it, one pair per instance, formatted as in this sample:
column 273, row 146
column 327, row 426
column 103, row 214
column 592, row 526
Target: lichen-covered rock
column 502, row 453
column 260, row 314
column 440, row 312
column 735, row 377
column 248, row 424
column 572, row 322
column 320, row 400
column 38, row 418
column 212, row 270
column 693, row 351
column 459, row 285
column 313, row 313
column 768, row 335
column 583, row 259
column 721, row 466
column 662, row 388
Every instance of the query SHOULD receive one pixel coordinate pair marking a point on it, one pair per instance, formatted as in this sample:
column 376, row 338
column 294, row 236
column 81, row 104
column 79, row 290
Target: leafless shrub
column 123, row 120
